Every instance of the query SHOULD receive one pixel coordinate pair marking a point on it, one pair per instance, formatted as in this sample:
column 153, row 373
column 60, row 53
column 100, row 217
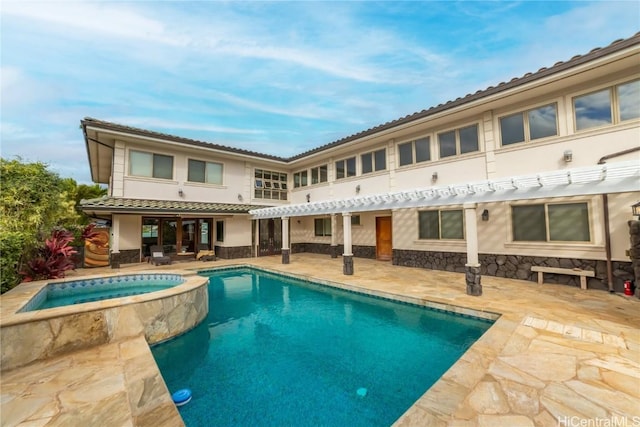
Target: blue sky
column 273, row 77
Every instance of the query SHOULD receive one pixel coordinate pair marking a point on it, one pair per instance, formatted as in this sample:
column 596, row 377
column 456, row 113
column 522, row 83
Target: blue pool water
column 101, row 288
column 276, row 351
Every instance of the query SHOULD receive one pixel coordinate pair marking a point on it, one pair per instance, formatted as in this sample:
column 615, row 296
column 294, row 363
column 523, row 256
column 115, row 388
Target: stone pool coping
column 555, row 351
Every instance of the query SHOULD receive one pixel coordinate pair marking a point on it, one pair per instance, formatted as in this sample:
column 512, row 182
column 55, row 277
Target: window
column 355, row 219
column 270, row 185
column 418, row 150
column 346, row 168
column 528, row 125
column 208, row 172
column 322, row 226
column 300, row 179
column 441, row 224
column 219, row 231
column 561, row 222
column 319, row 174
column 375, row 161
column 458, row 141
column 608, row 106
column 150, row 165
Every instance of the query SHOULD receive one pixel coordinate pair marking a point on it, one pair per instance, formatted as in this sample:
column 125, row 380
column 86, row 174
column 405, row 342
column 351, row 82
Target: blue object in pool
column 362, row 392
column 181, row 397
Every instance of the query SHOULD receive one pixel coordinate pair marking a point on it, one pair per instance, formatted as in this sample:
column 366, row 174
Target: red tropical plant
column 88, row 234
column 52, row 260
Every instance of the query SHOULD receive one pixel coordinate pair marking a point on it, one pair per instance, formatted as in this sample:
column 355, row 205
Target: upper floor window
column 150, row 165
column 458, row 141
column 322, row 227
column 528, row 125
column 447, row 224
column 607, row 106
column 270, row 185
column 208, row 172
column 346, row 168
column 376, row 161
column 319, row 174
column 300, row 179
column 563, row 222
column 415, row 151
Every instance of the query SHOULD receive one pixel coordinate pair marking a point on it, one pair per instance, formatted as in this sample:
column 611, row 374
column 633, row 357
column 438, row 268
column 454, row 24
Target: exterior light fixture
column 308, row 197
column 568, row 156
column 434, row 177
column 239, row 197
column 180, row 192
column 635, row 209
column 485, row 215
column 358, row 189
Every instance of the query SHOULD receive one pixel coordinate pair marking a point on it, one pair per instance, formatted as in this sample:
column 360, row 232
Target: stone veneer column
column 634, row 252
column 333, row 250
column 285, row 240
column 114, row 244
column 472, row 267
column 347, row 256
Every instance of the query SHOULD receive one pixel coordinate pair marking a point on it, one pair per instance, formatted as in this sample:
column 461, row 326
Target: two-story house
column 540, row 170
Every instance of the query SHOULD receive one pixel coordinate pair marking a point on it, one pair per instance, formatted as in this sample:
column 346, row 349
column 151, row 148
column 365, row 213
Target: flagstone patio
column 557, row 356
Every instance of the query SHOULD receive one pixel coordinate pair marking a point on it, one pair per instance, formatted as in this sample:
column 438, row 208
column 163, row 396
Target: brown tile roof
column 114, row 204
column 491, row 90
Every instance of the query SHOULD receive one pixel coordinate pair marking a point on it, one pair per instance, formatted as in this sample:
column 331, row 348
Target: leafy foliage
column 34, row 201
column 54, row 259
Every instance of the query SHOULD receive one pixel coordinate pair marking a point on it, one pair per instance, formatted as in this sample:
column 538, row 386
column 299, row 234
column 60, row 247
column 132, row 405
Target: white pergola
column 599, row 179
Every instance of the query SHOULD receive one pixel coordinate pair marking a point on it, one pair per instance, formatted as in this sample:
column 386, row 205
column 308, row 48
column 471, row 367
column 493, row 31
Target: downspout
column 605, row 207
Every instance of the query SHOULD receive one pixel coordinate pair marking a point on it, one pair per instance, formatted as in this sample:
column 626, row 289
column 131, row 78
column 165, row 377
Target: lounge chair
column 205, row 254
column 158, row 257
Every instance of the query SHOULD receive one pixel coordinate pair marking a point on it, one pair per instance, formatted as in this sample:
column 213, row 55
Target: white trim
column 600, row 179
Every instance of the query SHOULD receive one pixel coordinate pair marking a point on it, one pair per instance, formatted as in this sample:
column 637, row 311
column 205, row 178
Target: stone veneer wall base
column 518, row 267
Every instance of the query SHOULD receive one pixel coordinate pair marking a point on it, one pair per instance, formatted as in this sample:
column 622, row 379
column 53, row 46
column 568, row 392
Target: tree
column 33, row 202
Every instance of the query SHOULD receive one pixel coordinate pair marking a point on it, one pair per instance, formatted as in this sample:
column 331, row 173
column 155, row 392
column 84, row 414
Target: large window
column 375, row 161
column 607, row 106
column 446, row 224
column 208, row 172
column 270, row 185
column 560, row 222
column 150, row 165
column 300, row 179
column 322, row 226
column 346, row 168
column 415, row 151
column 219, row 231
column 319, row 174
column 458, row 141
column 529, row 125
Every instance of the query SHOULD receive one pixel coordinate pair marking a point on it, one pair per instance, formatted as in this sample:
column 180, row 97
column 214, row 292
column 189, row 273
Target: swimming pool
column 281, row 351
column 58, row 294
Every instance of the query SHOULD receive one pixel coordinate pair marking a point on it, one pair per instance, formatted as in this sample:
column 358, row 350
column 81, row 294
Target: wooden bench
column 570, row 271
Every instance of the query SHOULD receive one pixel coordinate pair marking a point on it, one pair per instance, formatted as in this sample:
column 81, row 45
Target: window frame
column 153, row 164
column 326, row 222
column 440, row 234
column 547, row 223
column 458, row 142
column 345, row 168
column 614, row 106
column 301, row 178
column 206, row 174
column 263, row 184
column 374, row 160
column 526, row 125
column 414, row 150
column 318, row 171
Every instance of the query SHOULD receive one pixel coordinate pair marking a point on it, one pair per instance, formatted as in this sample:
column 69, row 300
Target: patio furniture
column 205, row 254
column 158, row 257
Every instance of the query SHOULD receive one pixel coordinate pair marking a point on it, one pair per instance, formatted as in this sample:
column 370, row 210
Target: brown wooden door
column 384, row 244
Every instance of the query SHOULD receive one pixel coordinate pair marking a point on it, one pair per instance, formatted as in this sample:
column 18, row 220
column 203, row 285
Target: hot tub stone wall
column 157, row 319
column 517, row 267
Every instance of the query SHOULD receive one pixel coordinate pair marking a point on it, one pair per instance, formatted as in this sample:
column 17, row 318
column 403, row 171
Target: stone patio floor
column 557, row 356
